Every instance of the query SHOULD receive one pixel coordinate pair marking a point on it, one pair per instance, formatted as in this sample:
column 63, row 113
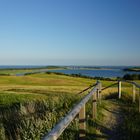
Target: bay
column 110, row 73
column 101, row 71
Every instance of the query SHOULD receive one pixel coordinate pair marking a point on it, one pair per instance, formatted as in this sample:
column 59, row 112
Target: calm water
column 98, row 73
column 114, row 71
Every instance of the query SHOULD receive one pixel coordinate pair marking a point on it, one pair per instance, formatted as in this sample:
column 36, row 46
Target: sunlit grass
column 12, row 97
column 44, row 80
column 40, row 100
column 13, row 72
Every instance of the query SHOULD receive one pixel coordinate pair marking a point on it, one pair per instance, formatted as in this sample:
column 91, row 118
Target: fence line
column 109, row 86
column 91, row 86
column 134, row 84
column 80, row 109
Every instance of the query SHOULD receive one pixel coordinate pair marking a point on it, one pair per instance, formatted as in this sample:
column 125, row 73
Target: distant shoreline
column 136, row 69
column 92, row 71
column 57, row 68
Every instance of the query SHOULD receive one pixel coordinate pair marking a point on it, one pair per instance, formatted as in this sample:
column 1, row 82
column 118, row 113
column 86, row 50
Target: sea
column 100, row 71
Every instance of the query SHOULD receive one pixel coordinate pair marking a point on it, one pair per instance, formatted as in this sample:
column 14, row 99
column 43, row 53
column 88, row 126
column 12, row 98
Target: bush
column 131, row 77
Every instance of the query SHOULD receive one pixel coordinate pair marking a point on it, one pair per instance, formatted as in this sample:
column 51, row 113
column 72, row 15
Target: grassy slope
column 36, row 86
column 44, row 80
column 12, row 72
column 15, row 89
column 117, row 119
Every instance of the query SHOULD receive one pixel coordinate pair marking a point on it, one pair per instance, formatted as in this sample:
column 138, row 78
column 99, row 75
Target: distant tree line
column 81, row 76
column 125, row 77
column 135, row 69
column 131, row 77
column 30, row 73
column 4, row 74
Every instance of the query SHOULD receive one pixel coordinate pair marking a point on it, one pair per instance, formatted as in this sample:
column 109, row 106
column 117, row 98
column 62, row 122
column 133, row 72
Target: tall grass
column 31, row 120
column 39, row 101
column 130, row 127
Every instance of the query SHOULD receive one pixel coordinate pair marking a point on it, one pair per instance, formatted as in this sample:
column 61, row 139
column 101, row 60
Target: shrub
column 131, row 77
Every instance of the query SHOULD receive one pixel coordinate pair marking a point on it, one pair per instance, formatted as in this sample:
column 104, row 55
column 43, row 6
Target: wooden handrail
column 131, row 82
column 78, row 109
column 87, row 88
column 134, row 90
column 109, row 86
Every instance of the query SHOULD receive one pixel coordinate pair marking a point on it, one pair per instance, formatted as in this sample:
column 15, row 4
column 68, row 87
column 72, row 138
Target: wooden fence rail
column 80, row 109
column 134, row 86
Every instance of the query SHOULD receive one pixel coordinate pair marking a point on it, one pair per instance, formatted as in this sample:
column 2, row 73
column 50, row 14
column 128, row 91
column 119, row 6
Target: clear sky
column 70, row 32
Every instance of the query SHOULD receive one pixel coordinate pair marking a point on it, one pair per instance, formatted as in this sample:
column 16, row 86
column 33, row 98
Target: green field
column 21, row 94
column 31, row 105
column 14, row 71
column 38, row 85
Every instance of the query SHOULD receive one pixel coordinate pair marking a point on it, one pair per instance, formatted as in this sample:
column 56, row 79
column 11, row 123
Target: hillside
column 31, row 105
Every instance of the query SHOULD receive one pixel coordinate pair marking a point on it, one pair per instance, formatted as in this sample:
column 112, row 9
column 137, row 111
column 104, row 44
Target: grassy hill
column 31, row 105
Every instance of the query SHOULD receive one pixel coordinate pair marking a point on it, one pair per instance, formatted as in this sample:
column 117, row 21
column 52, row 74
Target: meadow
column 31, row 105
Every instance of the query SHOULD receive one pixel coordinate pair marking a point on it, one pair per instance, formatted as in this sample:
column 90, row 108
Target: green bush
column 131, row 77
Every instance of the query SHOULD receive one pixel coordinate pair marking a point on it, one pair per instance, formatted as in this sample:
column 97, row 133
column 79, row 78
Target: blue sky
column 69, row 32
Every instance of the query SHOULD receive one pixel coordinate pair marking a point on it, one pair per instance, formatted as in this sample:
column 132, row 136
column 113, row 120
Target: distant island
column 135, row 69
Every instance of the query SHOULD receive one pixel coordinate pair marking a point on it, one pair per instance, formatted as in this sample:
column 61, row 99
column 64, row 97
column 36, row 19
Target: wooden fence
column 95, row 94
column 78, row 109
column 134, row 86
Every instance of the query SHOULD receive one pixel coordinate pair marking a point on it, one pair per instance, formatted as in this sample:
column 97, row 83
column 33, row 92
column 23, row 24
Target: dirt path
column 112, row 119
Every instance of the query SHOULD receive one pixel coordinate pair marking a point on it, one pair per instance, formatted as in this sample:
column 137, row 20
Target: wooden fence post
column 82, row 123
column 94, row 104
column 134, row 93
column 119, row 89
column 139, row 100
column 100, row 92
